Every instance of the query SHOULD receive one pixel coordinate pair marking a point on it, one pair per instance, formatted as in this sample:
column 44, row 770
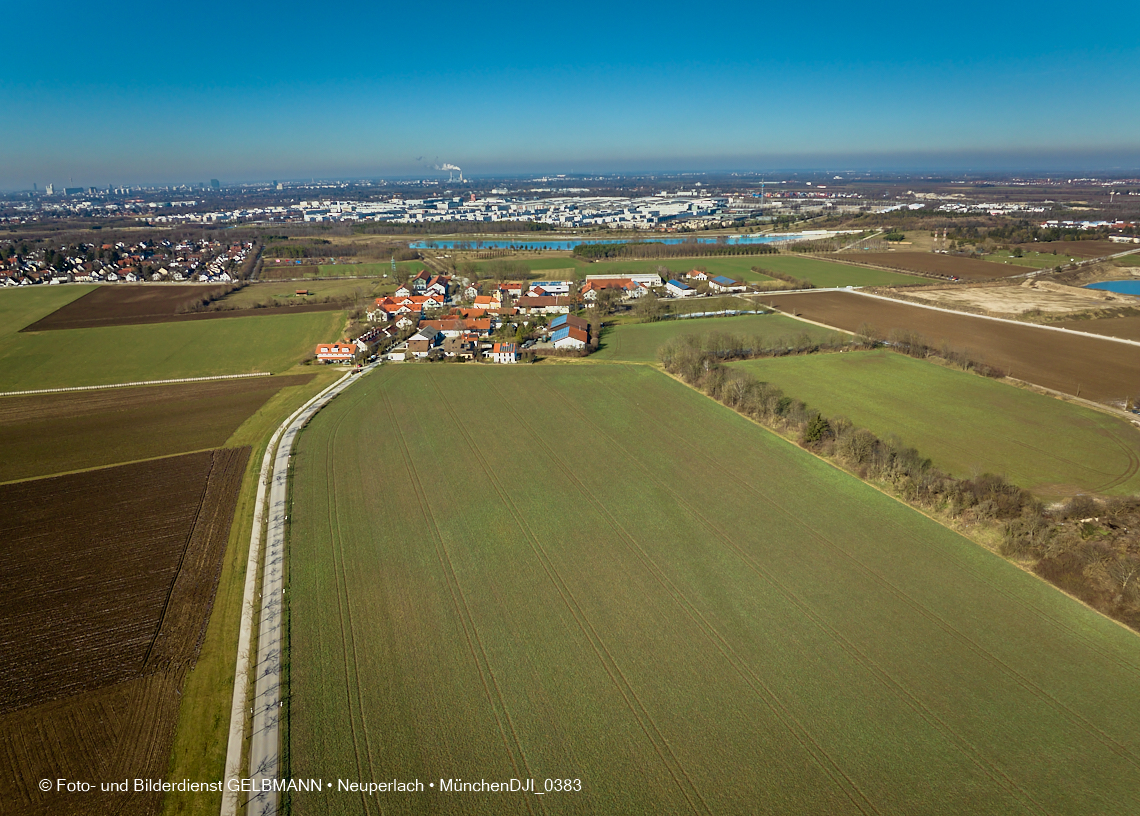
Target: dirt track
column 1099, row 369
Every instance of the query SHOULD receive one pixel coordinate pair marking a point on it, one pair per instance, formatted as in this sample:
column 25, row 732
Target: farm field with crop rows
column 936, row 264
column 824, row 274
column 115, row 354
column 109, row 578
column 1082, row 366
column 965, row 423
column 638, row 342
column 628, row 584
column 43, row 434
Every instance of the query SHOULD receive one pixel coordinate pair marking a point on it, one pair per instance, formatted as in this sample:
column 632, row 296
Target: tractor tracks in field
column 798, row 731
column 912, row 701
column 344, row 614
column 490, row 683
column 621, row 682
column 1024, row 682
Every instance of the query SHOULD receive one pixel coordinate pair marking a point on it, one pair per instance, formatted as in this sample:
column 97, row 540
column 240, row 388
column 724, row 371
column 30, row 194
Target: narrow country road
column 267, row 553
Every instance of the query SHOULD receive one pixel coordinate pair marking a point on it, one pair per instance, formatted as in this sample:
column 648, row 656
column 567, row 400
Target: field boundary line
column 946, row 556
column 235, row 745
column 971, row 751
column 580, row 617
column 344, row 611
column 693, row 612
column 462, row 607
column 133, row 384
column 997, row 319
column 1028, row 684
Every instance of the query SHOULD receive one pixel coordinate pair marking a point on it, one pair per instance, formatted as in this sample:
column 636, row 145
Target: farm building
column 648, row 279
column 569, row 320
column 550, row 288
column 627, row 286
column 336, row 352
column 505, row 353
column 697, row 275
column 543, row 304
column 569, row 337
column 675, row 288
column 722, row 284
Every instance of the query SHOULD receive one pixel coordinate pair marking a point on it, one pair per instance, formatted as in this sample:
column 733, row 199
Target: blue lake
column 536, row 244
column 1123, row 287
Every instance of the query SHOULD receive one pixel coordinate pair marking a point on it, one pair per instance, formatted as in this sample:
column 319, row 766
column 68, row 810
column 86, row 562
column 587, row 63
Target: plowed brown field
column 1084, row 366
column 43, row 434
column 135, row 304
column 930, row 263
column 1078, row 249
column 1126, row 328
column 109, row 578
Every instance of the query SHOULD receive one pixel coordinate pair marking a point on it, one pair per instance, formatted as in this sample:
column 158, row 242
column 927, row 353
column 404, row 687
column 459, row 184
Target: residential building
column 505, row 353
column 336, row 352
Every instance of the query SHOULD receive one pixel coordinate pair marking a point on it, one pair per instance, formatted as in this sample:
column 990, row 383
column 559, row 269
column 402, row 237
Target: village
column 199, row 261
column 431, row 317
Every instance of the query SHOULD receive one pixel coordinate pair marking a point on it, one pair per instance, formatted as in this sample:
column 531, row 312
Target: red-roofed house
column 336, row 352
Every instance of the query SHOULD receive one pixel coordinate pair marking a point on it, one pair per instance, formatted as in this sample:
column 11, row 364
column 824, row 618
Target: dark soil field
column 1078, row 249
column 45, row 434
column 1083, row 366
column 109, row 578
column 1126, row 328
column 135, row 304
column 930, row 263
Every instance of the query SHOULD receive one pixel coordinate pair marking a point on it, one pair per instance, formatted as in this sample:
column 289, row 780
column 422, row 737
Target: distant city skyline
column 360, row 91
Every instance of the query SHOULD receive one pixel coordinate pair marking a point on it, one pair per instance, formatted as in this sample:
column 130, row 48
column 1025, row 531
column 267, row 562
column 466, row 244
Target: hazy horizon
column 144, row 96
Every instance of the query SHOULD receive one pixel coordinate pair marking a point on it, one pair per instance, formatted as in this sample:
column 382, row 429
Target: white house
column 505, row 353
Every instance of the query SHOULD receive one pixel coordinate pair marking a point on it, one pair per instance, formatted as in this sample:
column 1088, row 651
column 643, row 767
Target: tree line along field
column 1087, row 367
column 107, row 595
column 113, row 354
column 965, row 423
column 638, row 342
column 44, row 434
column 631, row 585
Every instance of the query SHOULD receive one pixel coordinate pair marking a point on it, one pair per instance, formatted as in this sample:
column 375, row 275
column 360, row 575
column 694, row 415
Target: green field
column 369, row 269
column 965, row 423
column 638, row 342
column 1036, row 260
column 825, row 274
column 157, row 351
column 638, row 588
column 283, row 293
column 1128, row 260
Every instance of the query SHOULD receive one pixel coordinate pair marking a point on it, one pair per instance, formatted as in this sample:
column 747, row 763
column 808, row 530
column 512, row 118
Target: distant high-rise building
column 215, row 184
column 50, row 189
column 279, row 185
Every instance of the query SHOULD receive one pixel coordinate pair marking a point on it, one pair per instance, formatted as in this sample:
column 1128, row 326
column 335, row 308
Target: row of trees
column 1088, row 547
column 656, row 249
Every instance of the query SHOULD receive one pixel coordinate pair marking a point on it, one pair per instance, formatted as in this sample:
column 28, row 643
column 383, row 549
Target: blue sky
column 131, row 92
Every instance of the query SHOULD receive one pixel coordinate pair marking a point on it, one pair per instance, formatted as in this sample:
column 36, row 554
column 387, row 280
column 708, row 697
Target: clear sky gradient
column 132, row 92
